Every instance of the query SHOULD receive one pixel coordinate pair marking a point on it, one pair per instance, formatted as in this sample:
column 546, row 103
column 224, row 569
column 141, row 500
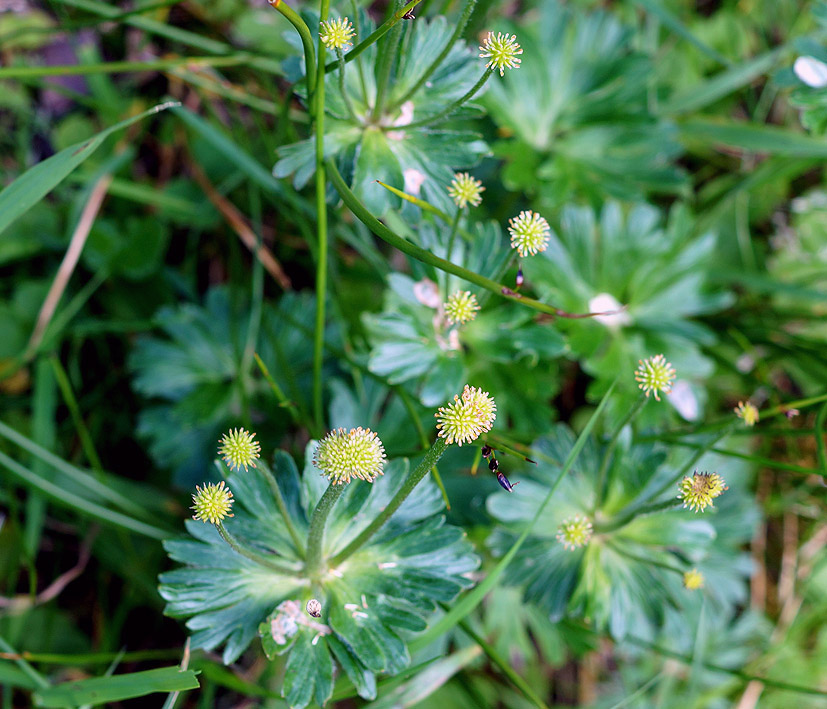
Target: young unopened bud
column 461, row 307
column 529, row 233
column 212, row 503
column 501, row 51
column 655, row 375
column 467, row 418
column 575, row 532
column 693, row 580
column 342, row 455
column 465, row 190
column 238, row 449
column 748, row 412
column 700, row 490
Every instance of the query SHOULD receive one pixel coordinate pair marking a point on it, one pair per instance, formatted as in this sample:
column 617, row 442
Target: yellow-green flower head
column 529, row 233
column 693, row 580
column 467, row 418
column 655, row 375
column 465, row 189
column 575, row 532
column 212, row 502
column 748, row 412
column 238, row 449
column 698, row 491
column 336, row 34
column 501, row 51
column 342, row 455
column 461, row 307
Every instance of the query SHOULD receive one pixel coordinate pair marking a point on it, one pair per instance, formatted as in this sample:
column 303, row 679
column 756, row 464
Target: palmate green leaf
column 627, row 577
column 193, row 374
column 371, row 603
column 579, row 114
column 368, row 149
column 102, row 690
column 38, row 181
column 630, row 256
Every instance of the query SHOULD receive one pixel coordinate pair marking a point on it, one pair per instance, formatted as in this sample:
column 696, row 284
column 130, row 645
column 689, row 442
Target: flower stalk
column 251, row 555
column 315, row 536
column 298, row 543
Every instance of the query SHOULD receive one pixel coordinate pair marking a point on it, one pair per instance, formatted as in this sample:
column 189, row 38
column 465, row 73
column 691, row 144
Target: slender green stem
column 413, row 479
column 649, row 561
column 315, row 536
column 251, row 555
column 453, row 235
column 371, row 222
column 284, row 402
column 298, row 542
column 307, row 42
column 821, row 449
column 30, row 671
column 387, row 57
column 321, row 233
column 501, row 663
column 345, row 97
column 458, row 30
column 32, row 72
column 446, row 112
column 614, row 524
column 602, row 481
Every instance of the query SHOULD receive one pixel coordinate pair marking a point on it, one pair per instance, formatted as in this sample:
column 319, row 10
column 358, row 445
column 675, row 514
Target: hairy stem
column 386, row 59
column 315, row 535
column 602, row 481
column 348, row 105
column 413, row 479
column 307, row 41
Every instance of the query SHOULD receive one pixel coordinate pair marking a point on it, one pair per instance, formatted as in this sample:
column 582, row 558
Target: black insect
column 409, row 15
column 519, row 280
column 494, row 467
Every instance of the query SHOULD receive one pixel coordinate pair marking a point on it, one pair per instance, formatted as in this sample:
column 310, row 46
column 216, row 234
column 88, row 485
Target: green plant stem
column 474, row 597
column 387, row 56
column 34, row 72
column 345, row 97
column 364, row 215
column 423, row 438
column 501, row 663
column 321, row 233
column 284, row 402
column 434, row 65
column 453, row 235
column 315, row 536
column 821, row 449
column 30, row 671
column 413, row 479
column 307, row 43
column 446, row 112
column 298, row 543
column 614, row 524
column 251, row 555
column 603, row 482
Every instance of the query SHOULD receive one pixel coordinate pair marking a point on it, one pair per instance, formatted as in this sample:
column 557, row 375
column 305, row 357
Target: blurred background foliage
column 678, row 157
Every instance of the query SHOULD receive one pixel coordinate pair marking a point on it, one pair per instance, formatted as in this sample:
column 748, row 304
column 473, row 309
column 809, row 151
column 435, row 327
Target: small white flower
column 811, row 71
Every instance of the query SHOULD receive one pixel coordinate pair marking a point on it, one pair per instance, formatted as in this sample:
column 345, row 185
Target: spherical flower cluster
column 461, row 307
column 501, row 51
column 655, row 375
column 748, row 412
column 465, row 190
column 529, row 233
column 336, row 34
column 467, row 418
column 212, row 503
column 575, row 532
column 693, row 580
column 698, row 491
column 342, row 455
column 238, row 449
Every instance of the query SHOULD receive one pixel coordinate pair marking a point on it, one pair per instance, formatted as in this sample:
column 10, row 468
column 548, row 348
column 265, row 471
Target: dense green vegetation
column 531, row 339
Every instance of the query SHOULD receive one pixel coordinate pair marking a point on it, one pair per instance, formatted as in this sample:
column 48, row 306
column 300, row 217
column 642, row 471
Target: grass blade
column 473, row 598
